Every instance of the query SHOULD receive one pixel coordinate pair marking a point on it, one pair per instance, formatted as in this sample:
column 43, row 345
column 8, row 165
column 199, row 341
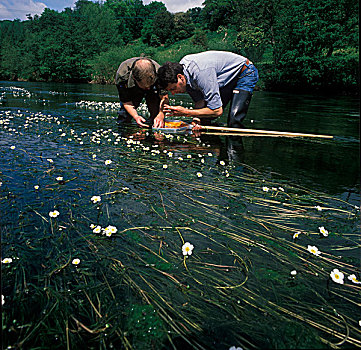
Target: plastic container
column 174, row 127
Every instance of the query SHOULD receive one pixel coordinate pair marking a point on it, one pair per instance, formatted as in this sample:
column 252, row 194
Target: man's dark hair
column 167, row 74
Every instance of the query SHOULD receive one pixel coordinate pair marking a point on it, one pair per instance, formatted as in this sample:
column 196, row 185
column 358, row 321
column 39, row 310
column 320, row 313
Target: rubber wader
column 239, row 108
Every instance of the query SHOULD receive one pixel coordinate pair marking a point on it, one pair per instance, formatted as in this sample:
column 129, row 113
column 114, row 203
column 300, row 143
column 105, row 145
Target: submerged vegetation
column 115, row 237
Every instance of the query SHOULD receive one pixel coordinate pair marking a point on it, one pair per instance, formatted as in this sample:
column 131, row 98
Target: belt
column 246, row 64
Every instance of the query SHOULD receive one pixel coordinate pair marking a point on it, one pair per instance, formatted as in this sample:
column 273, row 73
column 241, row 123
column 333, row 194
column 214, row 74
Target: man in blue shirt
column 212, row 79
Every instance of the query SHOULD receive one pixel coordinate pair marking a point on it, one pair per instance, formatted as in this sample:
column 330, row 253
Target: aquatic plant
column 148, row 241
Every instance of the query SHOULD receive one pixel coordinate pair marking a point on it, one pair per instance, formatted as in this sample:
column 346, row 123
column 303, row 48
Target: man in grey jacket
column 212, row 79
column 135, row 79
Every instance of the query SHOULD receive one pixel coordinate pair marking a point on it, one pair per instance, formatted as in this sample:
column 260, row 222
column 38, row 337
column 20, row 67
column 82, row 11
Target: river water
column 95, row 217
column 332, row 165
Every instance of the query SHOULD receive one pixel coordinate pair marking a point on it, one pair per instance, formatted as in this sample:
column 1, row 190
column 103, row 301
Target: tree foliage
column 294, row 43
column 313, row 41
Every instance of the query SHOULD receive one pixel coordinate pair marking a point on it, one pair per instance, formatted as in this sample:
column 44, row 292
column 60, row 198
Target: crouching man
column 135, row 79
column 212, row 79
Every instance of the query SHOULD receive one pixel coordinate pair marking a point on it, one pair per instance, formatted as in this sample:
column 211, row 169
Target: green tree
column 195, row 14
column 313, row 41
column 159, row 30
column 226, row 13
column 217, row 13
column 251, row 42
column 130, row 16
column 96, row 28
column 183, row 26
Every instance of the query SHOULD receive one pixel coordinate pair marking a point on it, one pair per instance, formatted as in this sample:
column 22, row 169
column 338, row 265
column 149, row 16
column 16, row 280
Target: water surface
column 270, row 220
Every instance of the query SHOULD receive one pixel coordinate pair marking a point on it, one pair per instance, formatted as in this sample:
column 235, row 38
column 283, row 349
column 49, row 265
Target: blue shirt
column 208, row 71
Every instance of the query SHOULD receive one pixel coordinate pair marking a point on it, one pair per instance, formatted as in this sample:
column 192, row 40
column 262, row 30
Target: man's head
column 144, row 73
column 171, row 78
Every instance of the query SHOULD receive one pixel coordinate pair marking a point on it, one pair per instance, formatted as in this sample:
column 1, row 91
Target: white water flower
column 354, row 279
column 187, row 248
column 109, row 230
column 108, row 161
column 210, row 154
column 318, row 208
column 165, row 166
column 265, row 188
column 12, row 147
column 337, row 276
column 222, row 162
column 293, row 273
column 189, row 156
column 296, row 235
column 76, row 261
column 54, row 214
column 2, row 300
column 95, row 199
column 92, row 226
column 50, row 160
column 97, row 229
column 59, row 178
column 281, row 189
column 199, row 174
column 314, row 250
column 7, row 260
column 36, row 187
column 323, row 231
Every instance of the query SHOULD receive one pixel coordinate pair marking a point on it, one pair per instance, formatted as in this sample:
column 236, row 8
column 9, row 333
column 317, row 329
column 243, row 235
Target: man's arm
column 123, row 92
column 204, row 112
column 129, row 107
column 159, row 119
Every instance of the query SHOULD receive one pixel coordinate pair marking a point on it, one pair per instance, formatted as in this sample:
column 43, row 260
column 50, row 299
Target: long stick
column 226, row 133
column 265, row 132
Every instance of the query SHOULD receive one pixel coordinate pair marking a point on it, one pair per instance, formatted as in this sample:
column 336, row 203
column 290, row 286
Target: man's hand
column 140, row 121
column 159, row 121
column 164, row 101
column 197, row 127
column 176, row 110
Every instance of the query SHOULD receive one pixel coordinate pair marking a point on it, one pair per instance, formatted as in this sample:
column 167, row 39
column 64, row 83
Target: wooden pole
column 261, row 132
column 242, row 134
